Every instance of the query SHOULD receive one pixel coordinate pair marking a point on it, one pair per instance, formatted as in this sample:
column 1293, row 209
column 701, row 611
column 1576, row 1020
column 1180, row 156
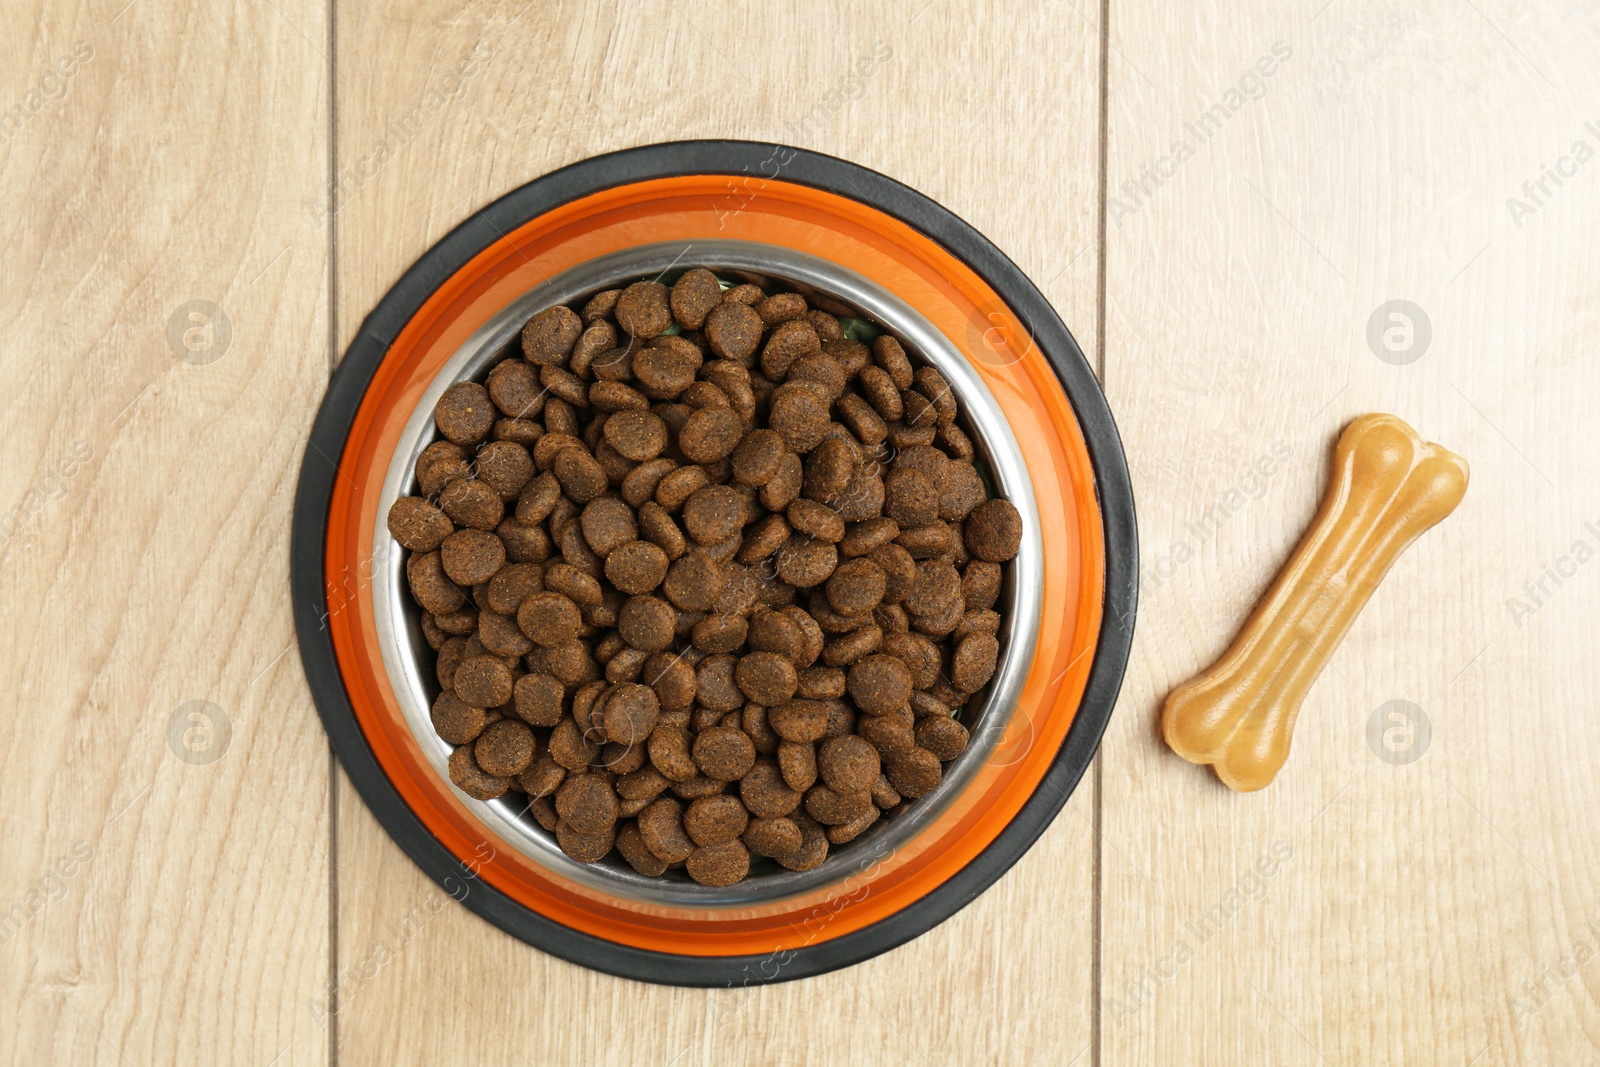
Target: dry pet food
column 710, row 575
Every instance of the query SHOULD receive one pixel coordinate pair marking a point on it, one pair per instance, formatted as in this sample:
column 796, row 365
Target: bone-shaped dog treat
column 1388, row 487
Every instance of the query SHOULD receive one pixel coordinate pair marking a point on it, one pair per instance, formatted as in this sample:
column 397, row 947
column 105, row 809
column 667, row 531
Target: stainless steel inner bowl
column 408, row 658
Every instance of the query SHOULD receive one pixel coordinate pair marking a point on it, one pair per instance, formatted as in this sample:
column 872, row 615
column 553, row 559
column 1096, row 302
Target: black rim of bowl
column 354, row 374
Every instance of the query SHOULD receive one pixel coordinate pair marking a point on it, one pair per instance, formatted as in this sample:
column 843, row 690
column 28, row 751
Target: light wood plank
column 1417, row 899
column 995, row 115
column 173, row 164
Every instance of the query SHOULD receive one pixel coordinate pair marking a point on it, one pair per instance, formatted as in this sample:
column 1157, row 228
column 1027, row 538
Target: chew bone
column 1388, row 487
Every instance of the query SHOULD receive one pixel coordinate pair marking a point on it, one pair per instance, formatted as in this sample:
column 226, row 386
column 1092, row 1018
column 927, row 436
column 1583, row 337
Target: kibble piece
column 936, row 588
column 454, row 720
column 472, row 779
column 962, row 491
column 665, row 371
column 512, row 584
column 797, row 760
column 483, row 681
column 550, row 619
column 631, row 712
column 719, row 865
column 828, row 470
column 538, row 699
column 715, row 819
column 800, row 415
column 713, row 514
column 580, row 475
column 772, row 837
column 994, row 531
column 569, row 747
column 766, row 678
column 847, row 764
column 465, row 414
column 608, row 524
column 879, row 684
column 710, row 434
column 856, row 587
column 766, row 793
column 909, row 498
column 724, row 753
column 630, row 842
column 587, row 803
column 803, row 562
column 832, row 808
column 815, row 520
column 673, row 680
column 914, row 773
column 647, row 623
column 974, row 662
column 799, row 720
column 542, row 778
column 661, row 829
column 643, row 309
column 418, row 525
column 472, row 503
column 719, row 633
column 757, row 456
column 693, row 582
column 636, row 567
column 814, row 843
column 942, row 736
column 471, row 556
column 636, row 435
column 585, row 848
column 548, row 337
column 505, row 748
column 694, row 296
column 733, row 330
column 439, row 463
column 505, row 467
column 670, row 754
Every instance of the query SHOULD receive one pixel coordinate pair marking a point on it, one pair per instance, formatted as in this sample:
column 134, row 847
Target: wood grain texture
column 1011, row 973
column 159, row 903
column 1407, row 904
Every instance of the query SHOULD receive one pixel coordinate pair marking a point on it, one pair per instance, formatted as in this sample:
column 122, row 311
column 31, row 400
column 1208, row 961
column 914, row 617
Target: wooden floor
column 200, row 201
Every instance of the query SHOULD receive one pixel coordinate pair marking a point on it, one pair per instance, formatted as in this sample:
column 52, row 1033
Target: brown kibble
column 936, row 588
column 846, row 832
column 765, row 791
column 643, row 309
column 631, row 844
column 542, row 779
column 856, row 587
column 585, row 848
column 713, row 514
column 766, row 678
column 483, row 681
column 772, row 837
column 847, row 764
column 715, row 819
column 513, row 584
column 537, row 699
column 636, row 435
column 673, row 680
column 804, row 563
column 694, row 296
column 587, row 803
column 783, row 307
column 831, row 808
column 418, row 525
column 472, row 779
column 962, row 491
column 797, row 760
column 915, row 773
column 631, row 712
column 465, row 414
column 636, row 567
column 757, row 456
column 661, row 829
column 548, row 337
column 550, row 619
column 879, row 684
column 580, row 475
column 733, row 331
column 788, row 342
column 669, row 752
column 828, row 470
column 504, row 749
column 454, row 720
column 942, row 736
column 569, row 747
column 724, row 753
column 647, row 623
column 799, row 415
column 608, row 524
column 710, row 434
column 909, row 498
column 693, row 582
column 471, row 556
column 665, row 371
column 814, row 843
column 994, row 531
column 799, row 720
column 472, row 503
column 439, row 464
column 719, row 633
column 719, row 865
column 974, row 662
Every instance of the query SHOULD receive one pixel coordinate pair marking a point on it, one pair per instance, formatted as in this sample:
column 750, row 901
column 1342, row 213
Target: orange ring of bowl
column 958, row 303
